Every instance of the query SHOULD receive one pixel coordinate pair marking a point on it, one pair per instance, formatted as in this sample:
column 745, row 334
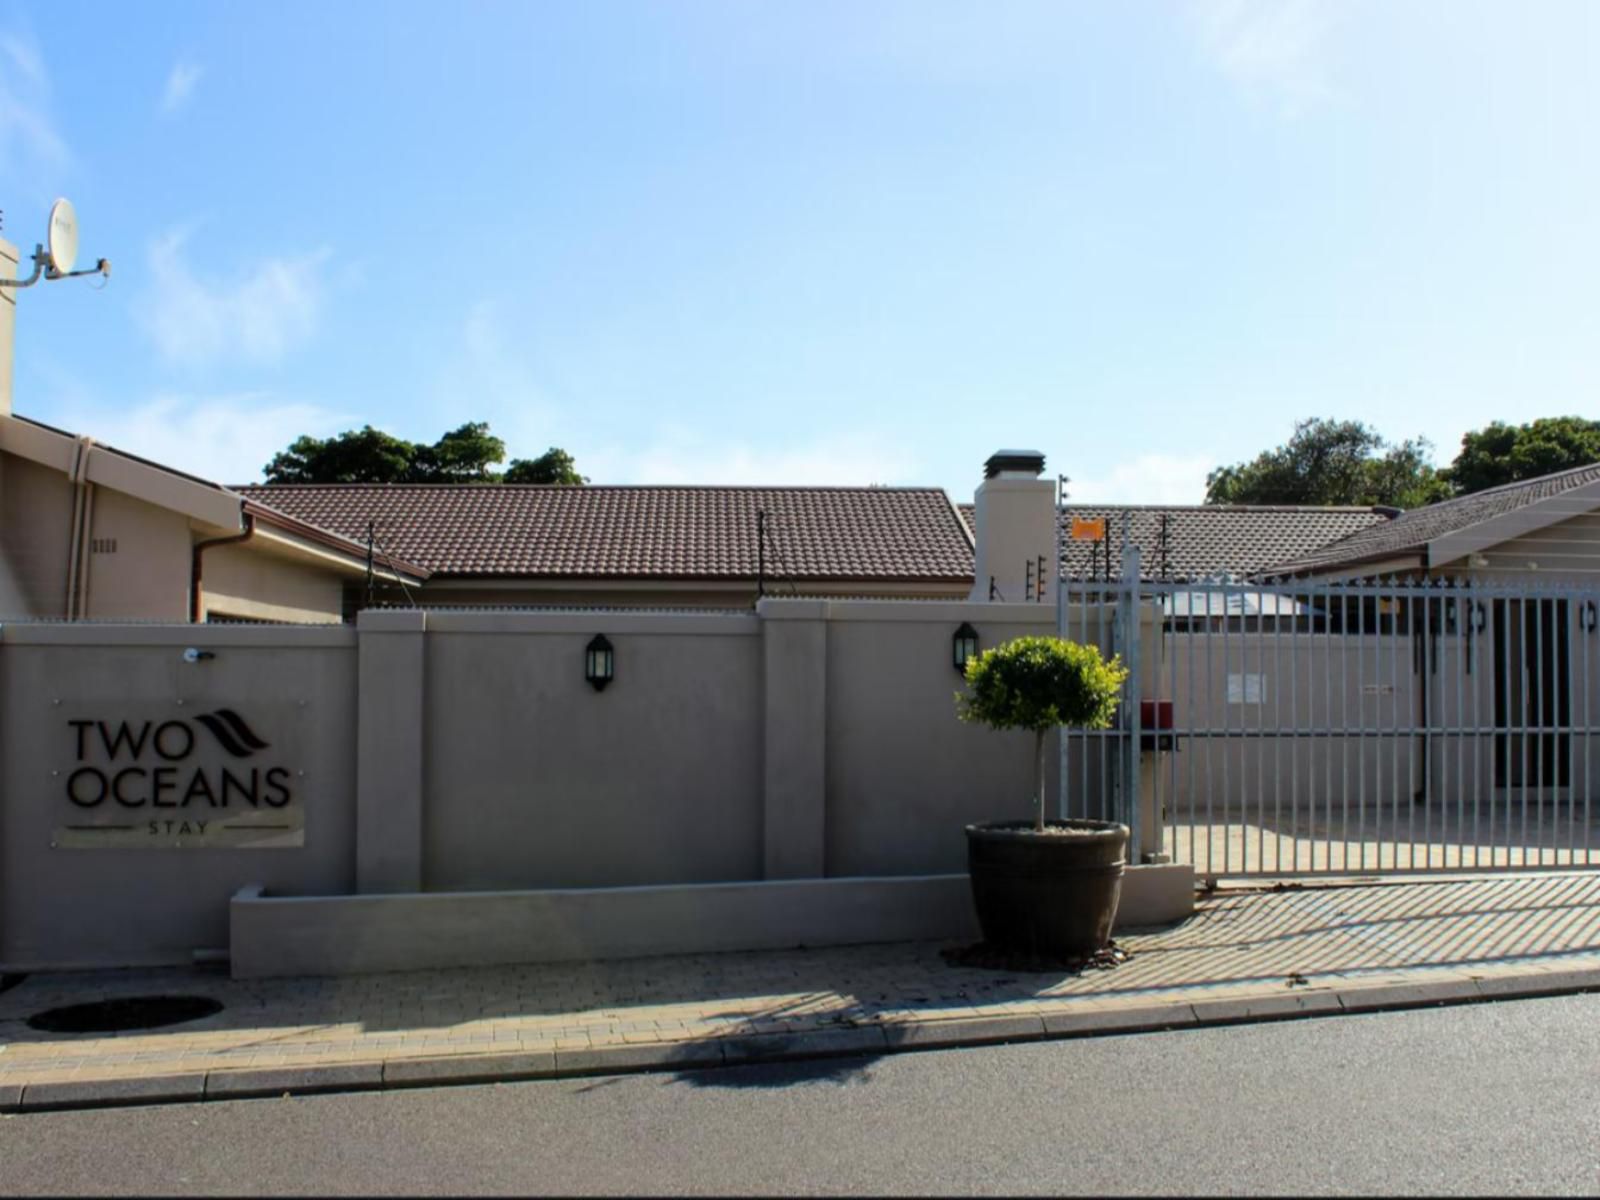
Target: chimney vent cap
column 1029, row 462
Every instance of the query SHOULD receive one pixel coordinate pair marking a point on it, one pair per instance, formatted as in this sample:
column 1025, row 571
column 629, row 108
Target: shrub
column 1041, row 683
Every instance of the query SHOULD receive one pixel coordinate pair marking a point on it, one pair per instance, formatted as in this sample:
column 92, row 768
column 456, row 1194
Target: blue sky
column 809, row 243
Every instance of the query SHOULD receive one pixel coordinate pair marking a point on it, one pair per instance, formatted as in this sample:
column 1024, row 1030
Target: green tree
column 465, row 455
column 367, row 455
column 1332, row 462
column 1501, row 453
column 1039, row 683
column 553, row 466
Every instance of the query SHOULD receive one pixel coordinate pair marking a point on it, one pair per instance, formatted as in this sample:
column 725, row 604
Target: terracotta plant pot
column 1047, row 894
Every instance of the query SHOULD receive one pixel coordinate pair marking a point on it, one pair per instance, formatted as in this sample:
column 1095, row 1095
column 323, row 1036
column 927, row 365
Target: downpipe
column 78, row 475
column 196, row 587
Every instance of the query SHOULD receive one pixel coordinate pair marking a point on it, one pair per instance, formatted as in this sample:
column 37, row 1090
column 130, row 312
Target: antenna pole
column 761, row 553
column 371, row 534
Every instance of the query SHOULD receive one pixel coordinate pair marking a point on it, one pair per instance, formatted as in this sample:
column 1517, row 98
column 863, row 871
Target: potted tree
column 1044, row 888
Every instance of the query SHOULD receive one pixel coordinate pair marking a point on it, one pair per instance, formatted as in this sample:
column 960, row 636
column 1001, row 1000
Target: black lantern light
column 599, row 665
column 964, row 646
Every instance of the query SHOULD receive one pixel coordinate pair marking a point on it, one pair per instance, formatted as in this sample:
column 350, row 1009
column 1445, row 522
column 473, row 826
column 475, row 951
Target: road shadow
column 855, row 1071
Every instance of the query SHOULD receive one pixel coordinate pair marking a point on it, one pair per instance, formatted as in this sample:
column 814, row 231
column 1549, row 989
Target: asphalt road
column 1486, row 1098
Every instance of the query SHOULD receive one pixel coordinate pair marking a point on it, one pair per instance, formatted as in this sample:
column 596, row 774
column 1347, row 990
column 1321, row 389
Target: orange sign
column 1087, row 529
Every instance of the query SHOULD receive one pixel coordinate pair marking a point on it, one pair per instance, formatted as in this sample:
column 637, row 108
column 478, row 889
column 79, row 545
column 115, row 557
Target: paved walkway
column 1371, row 838
column 1246, row 954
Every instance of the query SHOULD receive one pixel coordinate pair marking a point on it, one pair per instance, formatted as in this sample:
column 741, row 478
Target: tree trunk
column 1038, row 779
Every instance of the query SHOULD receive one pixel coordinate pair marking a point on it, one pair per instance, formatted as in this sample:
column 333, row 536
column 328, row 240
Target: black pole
column 370, row 535
column 761, row 552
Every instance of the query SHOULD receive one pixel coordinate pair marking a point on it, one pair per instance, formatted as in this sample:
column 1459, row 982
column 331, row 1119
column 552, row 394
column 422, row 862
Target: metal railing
column 1311, row 727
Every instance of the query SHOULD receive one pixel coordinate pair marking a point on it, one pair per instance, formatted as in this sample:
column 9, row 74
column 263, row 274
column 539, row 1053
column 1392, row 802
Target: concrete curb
column 868, row 1041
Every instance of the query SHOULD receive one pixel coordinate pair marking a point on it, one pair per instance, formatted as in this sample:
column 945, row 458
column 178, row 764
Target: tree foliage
column 1039, row 683
column 553, row 466
column 367, row 455
column 1332, row 462
column 1501, row 453
column 465, row 455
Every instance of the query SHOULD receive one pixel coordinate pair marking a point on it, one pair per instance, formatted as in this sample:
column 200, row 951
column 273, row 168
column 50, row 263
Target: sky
column 865, row 242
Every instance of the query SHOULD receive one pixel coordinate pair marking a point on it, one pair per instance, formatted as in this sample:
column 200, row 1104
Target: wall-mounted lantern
column 599, row 664
column 963, row 646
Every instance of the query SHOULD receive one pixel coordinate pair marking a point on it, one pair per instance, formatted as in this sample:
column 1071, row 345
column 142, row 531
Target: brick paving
column 1309, row 948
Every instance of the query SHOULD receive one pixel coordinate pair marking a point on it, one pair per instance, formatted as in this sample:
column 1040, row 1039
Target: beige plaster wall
column 62, row 906
column 35, row 528
column 534, row 779
column 904, row 775
column 246, row 581
column 146, row 577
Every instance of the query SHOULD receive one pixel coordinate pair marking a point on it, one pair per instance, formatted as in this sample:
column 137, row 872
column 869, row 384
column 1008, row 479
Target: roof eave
column 1552, row 510
column 346, row 547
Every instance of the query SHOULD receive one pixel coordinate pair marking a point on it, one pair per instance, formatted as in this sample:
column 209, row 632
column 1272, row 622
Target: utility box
column 1155, row 725
column 1156, row 740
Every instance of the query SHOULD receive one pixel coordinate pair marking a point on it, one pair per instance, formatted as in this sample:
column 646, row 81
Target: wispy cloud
column 1270, row 48
column 31, row 148
column 226, row 438
column 257, row 318
column 1147, row 479
column 180, row 86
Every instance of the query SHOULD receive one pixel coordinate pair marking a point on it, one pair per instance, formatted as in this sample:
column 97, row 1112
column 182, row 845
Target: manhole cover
column 130, row 1012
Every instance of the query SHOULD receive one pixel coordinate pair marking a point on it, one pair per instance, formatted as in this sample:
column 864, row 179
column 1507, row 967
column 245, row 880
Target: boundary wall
column 461, row 759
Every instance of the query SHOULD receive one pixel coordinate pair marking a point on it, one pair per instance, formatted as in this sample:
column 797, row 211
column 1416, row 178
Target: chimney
column 1014, row 526
column 8, row 322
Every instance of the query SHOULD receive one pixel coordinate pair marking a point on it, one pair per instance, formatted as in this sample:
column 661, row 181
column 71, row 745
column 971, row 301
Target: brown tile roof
column 1411, row 532
column 1204, row 539
column 814, row 533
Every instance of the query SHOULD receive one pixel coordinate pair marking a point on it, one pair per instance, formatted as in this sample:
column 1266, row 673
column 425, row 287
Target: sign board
column 1088, row 529
column 1247, row 688
column 161, row 776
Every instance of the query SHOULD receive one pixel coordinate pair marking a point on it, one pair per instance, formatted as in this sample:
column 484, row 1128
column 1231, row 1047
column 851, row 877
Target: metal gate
column 1314, row 728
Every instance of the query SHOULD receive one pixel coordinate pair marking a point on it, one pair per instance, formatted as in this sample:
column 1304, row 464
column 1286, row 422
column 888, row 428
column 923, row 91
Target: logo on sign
column 150, row 764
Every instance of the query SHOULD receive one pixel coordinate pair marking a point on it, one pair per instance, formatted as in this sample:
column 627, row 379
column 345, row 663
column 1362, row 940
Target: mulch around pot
column 1001, row 958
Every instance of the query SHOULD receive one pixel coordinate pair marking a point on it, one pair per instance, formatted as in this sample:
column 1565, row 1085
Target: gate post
column 1127, row 634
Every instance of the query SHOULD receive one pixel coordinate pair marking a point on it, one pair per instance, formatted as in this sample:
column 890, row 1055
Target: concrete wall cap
column 611, row 622
column 391, row 620
column 91, row 633
column 777, row 608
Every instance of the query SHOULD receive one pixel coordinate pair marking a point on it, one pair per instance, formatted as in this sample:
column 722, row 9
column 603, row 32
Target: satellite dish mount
column 59, row 253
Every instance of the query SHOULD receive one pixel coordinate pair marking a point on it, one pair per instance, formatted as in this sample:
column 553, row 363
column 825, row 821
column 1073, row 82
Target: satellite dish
column 61, row 245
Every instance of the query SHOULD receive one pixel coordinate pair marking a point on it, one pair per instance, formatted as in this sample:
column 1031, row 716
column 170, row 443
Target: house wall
column 1568, row 550
column 35, row 528
column 146, row 577
column 243, row 581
